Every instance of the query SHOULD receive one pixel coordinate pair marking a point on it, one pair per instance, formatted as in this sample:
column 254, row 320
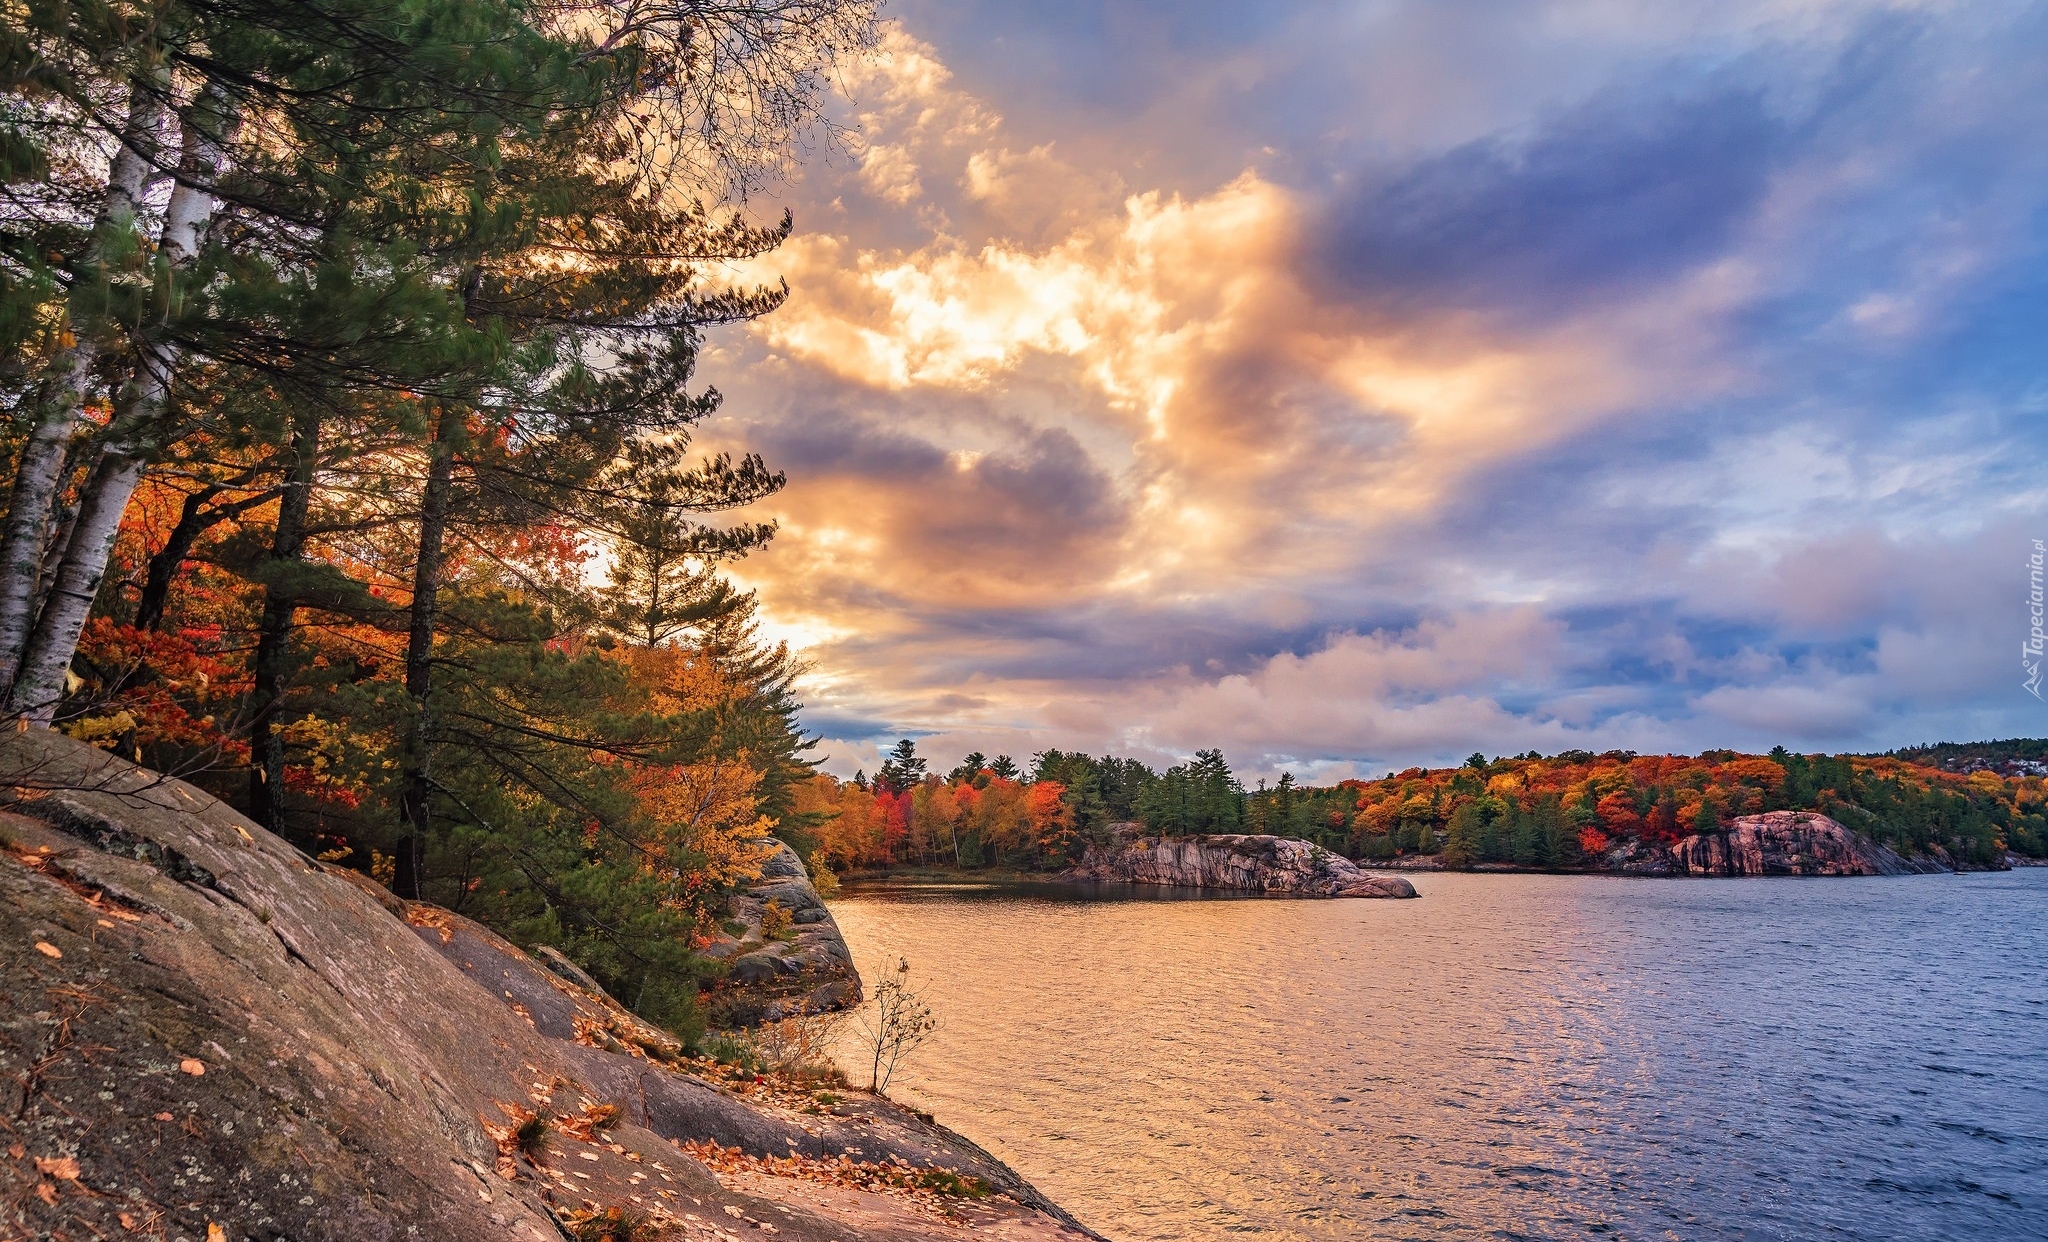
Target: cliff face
column 206, row 1035
column 1789, row 843
column 1259, row 864
column 805, row 968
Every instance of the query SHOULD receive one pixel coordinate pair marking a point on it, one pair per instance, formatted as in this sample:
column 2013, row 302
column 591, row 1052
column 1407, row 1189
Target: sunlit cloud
column 1646, row 336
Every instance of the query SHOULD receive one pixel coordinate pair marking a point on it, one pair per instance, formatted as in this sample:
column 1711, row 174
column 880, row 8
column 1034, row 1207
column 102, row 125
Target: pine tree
column 1531, row 845
column 1461, row 843
column 901, row 768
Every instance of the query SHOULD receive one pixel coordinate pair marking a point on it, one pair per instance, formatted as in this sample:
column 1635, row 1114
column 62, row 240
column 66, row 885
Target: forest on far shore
column 1557, row 811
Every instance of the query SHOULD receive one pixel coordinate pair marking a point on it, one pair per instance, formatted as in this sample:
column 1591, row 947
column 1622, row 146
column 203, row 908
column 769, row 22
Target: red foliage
column 151, row 688
column 1618, row 812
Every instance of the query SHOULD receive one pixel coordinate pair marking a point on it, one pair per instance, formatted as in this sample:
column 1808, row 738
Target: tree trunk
column 134, row 431
column 280, row 612
column 40, row 687
column 435, row 502
column 194, row 518
column 40, row 472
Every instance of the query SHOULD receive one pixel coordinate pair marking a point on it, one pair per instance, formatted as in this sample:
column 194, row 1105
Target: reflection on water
column 1510, row 1056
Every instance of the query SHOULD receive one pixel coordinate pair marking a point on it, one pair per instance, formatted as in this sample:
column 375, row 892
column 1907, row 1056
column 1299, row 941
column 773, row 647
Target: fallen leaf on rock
column 192, row 1066
column 593, row 1120
column 65, row 1167
column 214, row 1233
column 930, row 1189
column 165, row 1117
column 507, row 1138
column 438, row 919
column 127, row 1222
column 47, row 949
column 47, row 1193
column 16, row 1150
column 98, row 901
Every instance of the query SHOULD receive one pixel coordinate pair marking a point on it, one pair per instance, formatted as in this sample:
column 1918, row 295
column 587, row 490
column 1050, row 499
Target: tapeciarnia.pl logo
column 2030, row 651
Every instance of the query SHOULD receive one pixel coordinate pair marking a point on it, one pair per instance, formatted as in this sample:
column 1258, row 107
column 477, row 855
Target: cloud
column 1594, row 205
column 1384, row 384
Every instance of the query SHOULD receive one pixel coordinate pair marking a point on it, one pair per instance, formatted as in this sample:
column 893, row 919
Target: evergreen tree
column 1531, row 846
column 901, row 768
column 1461, row 844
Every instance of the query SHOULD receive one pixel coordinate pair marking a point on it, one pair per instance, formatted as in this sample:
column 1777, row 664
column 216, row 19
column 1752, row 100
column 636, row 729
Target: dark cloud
column 833, row 725
column 1620, row 192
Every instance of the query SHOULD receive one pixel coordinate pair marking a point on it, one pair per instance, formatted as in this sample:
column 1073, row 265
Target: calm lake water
column 1511, row 1056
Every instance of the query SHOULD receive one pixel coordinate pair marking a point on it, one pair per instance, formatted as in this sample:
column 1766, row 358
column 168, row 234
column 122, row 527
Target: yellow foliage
column 709, row 810
column 96, row 729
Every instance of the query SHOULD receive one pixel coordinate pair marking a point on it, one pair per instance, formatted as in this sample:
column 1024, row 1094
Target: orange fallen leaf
column 165, row 1117
column 65, row 1167
column 47, row 949
column 128, row 1222
column 192, row 1067
column 214, row 1233
column 47, row 1193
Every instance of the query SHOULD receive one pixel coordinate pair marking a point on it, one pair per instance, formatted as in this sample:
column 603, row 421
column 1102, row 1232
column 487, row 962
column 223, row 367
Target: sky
column 1357, row 385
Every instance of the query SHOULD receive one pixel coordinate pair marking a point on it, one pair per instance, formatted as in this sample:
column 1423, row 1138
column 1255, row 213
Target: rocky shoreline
column 1775, row 843
column 210, row 1035
column 1233, row 862
column 784, row 949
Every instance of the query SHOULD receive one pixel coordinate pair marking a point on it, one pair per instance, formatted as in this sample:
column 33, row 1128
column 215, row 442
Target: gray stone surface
column 807, row 967
column 1789, row 843
column 1249, row 863
column 199, row 1026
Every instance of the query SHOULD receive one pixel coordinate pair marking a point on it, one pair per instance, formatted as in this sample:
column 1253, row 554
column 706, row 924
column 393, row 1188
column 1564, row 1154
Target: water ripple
column 1539, row 1057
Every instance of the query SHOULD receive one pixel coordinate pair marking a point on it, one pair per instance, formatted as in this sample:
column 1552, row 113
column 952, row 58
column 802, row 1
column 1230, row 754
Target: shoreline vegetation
column 1950, row 807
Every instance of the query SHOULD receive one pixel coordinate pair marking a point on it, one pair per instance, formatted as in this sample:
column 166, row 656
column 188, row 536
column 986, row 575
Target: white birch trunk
column 39, row 475
column 134, row 431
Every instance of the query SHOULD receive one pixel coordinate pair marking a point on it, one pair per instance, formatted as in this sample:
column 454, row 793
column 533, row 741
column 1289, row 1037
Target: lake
column 1510, row 1056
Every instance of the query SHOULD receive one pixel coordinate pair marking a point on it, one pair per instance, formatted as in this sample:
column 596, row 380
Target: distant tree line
column 1566, row 811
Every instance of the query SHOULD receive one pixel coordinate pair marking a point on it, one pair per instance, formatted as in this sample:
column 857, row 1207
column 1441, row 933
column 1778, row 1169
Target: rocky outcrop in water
column 803, row 966
column 204, row 1034
column 1789, row 843
column 1258, row 864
